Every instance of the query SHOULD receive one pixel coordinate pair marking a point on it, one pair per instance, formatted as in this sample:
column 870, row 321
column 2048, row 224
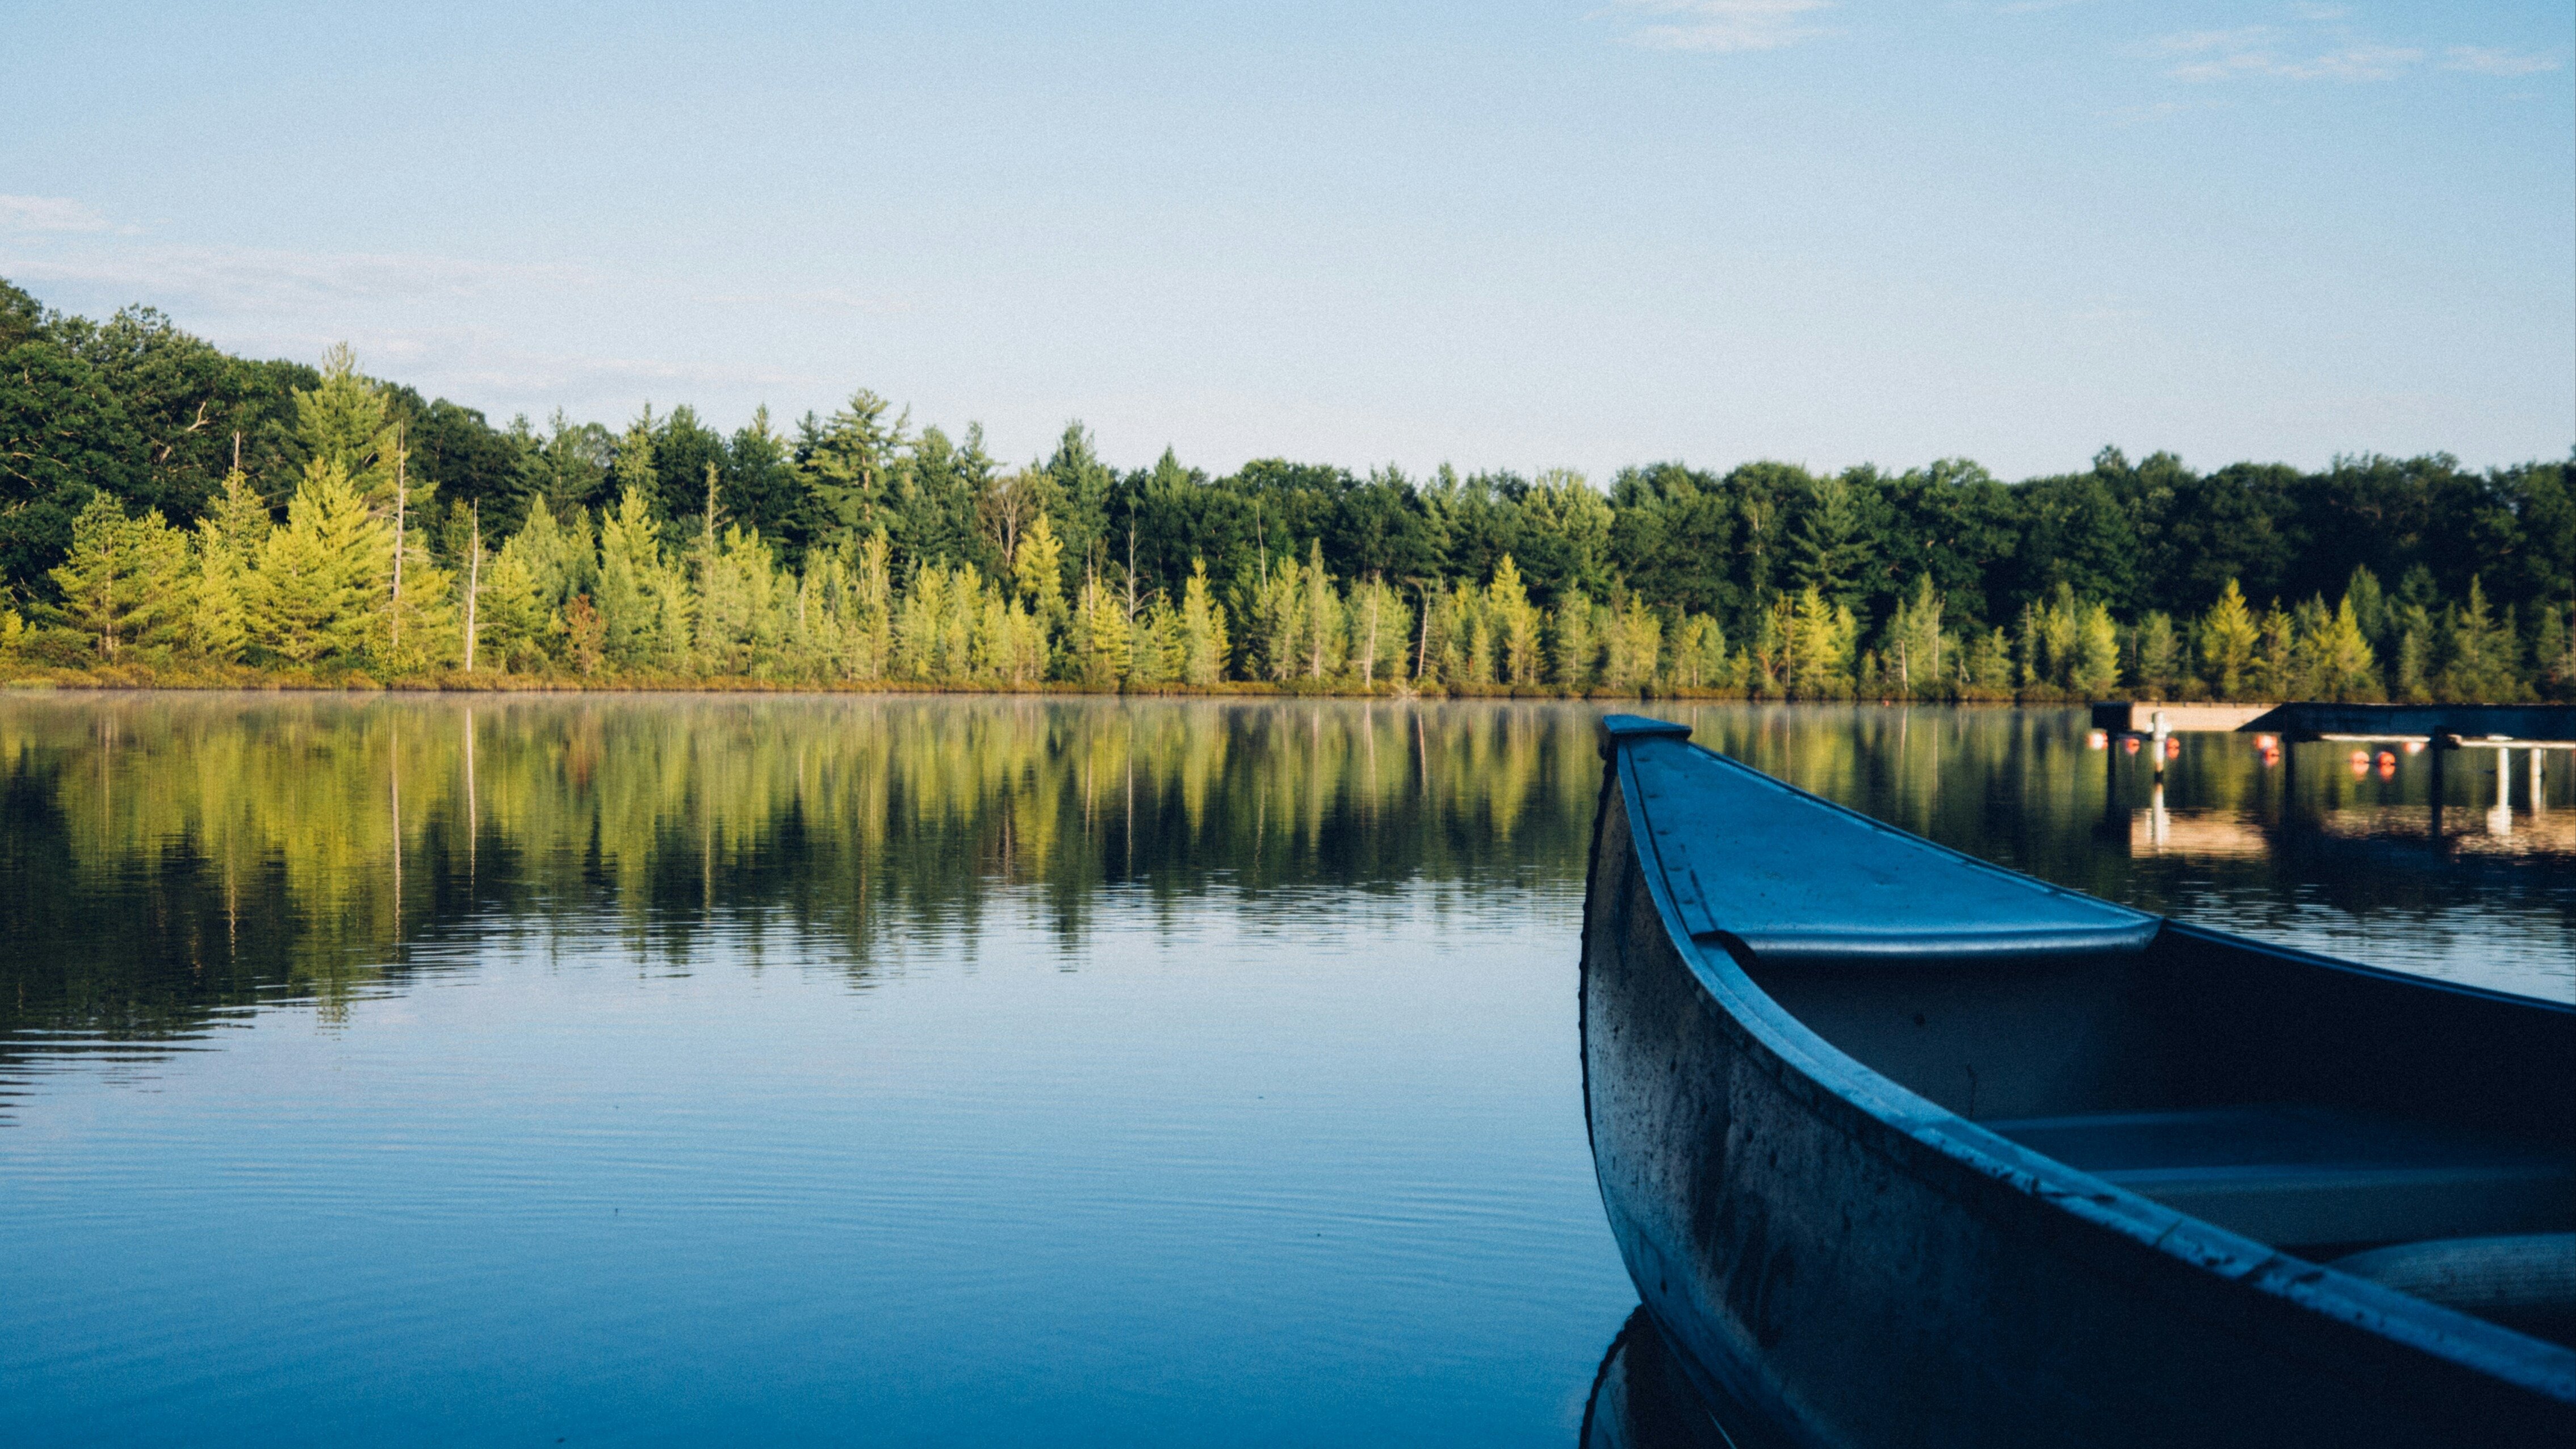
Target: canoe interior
column 2309, row 1105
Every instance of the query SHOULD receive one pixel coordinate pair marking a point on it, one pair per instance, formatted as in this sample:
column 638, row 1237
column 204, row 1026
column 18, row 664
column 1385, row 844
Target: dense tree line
column 167, row 507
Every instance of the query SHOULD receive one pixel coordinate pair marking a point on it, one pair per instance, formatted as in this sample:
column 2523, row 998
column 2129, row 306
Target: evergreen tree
column 1038, row 571
column 314, row 594
column 630, row 592
column 2097, row 652
column 1278, row 612
column 2554, row 644
column 512, row 628
column 1826, row 548
column 1100, row 641
column 1323, row 631
column 2228, row 635
column 1824, row 638
column 2276, row 660
column 343, row 422
column 125, row 583
column 2158, row 655
column 1578, row 647
column 1515, row 622
column 2344, row 669
column 1986, row 668
column 1204, row 646
column 219, row 624
column 1699, row 654
column 1911, row 649
column 1381, row 630
column 2478, row 659
column 1635, row 647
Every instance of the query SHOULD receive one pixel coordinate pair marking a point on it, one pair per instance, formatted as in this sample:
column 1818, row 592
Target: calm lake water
column 892, row 1071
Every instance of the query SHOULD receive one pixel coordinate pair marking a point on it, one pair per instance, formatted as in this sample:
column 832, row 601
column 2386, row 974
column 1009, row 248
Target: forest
column 171, row 514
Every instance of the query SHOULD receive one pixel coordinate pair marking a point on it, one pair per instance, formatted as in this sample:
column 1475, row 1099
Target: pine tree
column 917, row 623
column 1204, row 646
column 2554, row 648
column 558, row 557
column 238, row 518
column 2097, row 652
column 1826, row 549
column 1278, row 620
column 1910, row 649
column 1323, row 635
column 2228, row 635
column 1824, row 640
column 631, row 593
column 1635, row 647
column 219, row 624
column 314, row 594
column 125, row 582
column 1037, row 570
column 1578, row 646
column 1154, row 644
column 2158, row 656
column 1699, row 653
column 1986, row 671
column 1515, row 623
column 1100, row 639
column 2478, row 659
column 344, row 423
column 512, row 629
column 2343, row 667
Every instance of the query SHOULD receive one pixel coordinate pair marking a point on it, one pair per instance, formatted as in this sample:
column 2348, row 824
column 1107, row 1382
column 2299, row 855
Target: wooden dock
column 2444, row 726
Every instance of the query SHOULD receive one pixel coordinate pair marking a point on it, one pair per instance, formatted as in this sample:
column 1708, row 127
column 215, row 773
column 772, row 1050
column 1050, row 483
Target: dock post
column 2539, row 794
column 2158, row 726
column 2500, row 815
column 2437, row 751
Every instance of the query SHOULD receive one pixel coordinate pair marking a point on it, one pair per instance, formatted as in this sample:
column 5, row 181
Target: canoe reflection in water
column 1641, row 1399
column 1902, row 1148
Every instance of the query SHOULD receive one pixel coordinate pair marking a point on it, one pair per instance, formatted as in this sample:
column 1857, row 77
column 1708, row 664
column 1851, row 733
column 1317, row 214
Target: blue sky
column 1500, row 235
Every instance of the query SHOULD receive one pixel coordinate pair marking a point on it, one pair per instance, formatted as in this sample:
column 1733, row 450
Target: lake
column 919, row 1070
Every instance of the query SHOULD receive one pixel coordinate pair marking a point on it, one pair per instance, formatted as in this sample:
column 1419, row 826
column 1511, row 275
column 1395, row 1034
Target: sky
column 1509, row 234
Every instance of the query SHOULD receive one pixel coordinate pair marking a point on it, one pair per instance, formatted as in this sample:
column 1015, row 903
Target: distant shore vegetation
column 172, row 515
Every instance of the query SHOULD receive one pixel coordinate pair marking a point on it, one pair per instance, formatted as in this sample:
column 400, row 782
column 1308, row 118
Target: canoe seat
column 2305, row 1176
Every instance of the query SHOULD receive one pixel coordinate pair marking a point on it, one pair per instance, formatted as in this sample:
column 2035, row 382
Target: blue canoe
column 1904, row 1148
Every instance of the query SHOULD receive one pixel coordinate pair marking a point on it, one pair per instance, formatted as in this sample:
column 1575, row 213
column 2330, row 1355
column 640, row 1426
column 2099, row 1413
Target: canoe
column 1905, row 1148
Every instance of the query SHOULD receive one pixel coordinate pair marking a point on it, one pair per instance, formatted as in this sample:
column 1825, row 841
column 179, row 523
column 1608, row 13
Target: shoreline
column 113, row 680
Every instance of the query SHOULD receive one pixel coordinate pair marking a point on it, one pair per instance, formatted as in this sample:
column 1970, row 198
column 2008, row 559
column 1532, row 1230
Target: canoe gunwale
column 2119, row 1230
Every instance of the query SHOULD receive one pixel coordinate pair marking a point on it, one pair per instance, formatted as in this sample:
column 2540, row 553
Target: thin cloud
column 233, row 279
column 2325, row 49
column 49, row 213
column 2493, row 60
column 1724, row 27
column 481, row 365
column 2266, row 51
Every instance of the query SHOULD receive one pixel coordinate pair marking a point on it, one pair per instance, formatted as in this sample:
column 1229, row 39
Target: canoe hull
column 1832, row 1271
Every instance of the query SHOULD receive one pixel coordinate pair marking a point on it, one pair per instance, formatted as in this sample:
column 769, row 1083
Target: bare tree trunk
column 473, row 586
column 402, row 495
